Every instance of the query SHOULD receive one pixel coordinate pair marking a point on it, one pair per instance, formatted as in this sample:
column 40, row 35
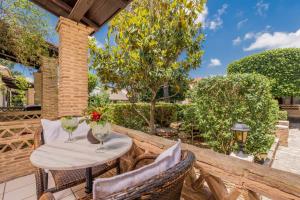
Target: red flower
column 96, row 116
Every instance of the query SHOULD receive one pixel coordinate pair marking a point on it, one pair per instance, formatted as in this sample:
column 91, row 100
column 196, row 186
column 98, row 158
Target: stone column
column 49, row 88
column 73, row 67
column 37, row 88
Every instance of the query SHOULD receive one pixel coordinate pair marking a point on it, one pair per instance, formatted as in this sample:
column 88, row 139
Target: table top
column 79, row 154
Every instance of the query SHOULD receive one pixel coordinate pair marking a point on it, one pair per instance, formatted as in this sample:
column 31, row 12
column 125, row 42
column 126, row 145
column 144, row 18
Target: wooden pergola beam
column 63, row 9
column 80, row 8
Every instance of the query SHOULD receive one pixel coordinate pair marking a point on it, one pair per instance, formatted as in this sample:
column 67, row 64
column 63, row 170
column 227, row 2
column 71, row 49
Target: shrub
column 282, row 115
column 281, row 66
column 123, row 114
column 222, row 101
column 99, row 100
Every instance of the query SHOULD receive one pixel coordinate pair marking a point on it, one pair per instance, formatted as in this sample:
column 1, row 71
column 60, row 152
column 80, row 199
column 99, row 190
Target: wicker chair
column 165, row 186
column 64, row 179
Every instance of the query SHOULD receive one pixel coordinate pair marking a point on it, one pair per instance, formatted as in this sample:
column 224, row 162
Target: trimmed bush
column 282, row 115
column 281, row 66
column 223, row 101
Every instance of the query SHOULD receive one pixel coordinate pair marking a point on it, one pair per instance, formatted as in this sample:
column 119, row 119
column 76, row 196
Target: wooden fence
column 292, row 110
column 16, row 145
column 221, row 177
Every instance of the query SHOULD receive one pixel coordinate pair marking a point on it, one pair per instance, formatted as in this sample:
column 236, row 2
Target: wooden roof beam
column 80, row 8
column 68, row 9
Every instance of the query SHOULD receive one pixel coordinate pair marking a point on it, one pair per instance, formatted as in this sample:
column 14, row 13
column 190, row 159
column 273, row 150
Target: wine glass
column 100, row 132
column 69, row 124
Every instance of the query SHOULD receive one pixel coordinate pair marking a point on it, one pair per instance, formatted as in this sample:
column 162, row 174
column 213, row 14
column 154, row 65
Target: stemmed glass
column 100, row 132
column 69, row 124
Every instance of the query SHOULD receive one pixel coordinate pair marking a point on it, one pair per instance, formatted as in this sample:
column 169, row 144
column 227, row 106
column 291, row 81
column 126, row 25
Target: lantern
column 241, row 132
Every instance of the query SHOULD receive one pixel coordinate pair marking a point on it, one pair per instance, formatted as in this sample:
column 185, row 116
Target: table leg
column 45, row 180
column 89, row 180
column 118, row 166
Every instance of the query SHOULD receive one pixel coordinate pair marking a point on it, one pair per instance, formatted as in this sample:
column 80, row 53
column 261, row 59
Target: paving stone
column 288, row 158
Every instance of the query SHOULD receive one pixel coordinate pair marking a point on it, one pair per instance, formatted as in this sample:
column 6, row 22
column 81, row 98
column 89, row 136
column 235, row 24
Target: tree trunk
column 166, row 92
column 152, row 119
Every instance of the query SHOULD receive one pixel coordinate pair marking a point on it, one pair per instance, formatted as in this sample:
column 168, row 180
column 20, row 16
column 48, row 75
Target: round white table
column 80, row 154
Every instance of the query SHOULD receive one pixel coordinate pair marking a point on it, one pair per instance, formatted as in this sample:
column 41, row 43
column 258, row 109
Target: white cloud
column 262, row 8
column 241, row 23
column 202, row 16
column 275, row 40
column 249, row 36
column 99, row 44
column 29, row 79
column 214, row 62
column 237, row 41
column 217, row 22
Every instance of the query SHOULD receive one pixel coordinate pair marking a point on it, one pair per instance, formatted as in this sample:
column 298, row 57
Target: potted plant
column 100, row 126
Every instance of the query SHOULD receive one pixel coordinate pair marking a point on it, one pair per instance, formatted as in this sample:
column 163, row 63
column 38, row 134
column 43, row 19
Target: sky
column 235, row 29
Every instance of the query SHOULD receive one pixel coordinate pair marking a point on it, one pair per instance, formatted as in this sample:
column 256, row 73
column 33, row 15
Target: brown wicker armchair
column 165, row 186
column 64, row 179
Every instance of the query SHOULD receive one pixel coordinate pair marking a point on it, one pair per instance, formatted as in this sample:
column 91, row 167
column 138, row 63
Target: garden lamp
column 241, row 132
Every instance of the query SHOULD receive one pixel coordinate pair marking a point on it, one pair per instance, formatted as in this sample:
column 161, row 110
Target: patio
column 212, row 175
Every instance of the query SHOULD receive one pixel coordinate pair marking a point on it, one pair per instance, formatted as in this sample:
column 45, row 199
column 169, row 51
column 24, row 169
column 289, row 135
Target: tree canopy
column 23, row 30
column 281, row 66
column 153, row 41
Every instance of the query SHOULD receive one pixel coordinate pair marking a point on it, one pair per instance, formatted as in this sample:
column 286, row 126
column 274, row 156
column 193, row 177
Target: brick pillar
column 73, row 67
column 37, row 88
column 30, row 96
column 49, row 88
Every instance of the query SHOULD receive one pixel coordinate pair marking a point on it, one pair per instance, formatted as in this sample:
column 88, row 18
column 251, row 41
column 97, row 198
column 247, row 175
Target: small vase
column 91, row 138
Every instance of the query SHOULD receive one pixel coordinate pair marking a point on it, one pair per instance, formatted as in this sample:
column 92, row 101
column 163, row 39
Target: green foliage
column 223, row 101
column 281, row 66
column 92, row 82
column 99, row 100
column 20, row 98
column 125, row 115
column 148, row 38
column 23, row 30
column 282, row 115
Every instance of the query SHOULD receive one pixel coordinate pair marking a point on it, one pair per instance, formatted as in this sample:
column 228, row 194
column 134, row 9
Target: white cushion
column 52, row 130
column 104, row 187
column 173, row 155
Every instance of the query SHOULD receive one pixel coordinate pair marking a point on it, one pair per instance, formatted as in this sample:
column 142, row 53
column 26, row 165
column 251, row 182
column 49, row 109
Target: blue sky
column 237, row 28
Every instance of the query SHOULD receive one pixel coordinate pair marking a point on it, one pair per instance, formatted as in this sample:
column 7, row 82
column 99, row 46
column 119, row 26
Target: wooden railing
column 16, row 145
column 19, row 115
column 11, row 109
column 217, row 176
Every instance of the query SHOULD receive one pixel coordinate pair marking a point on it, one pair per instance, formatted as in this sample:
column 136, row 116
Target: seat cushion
column 173, row 155
column 69, row 178
column 104, row 187
column 52, row 130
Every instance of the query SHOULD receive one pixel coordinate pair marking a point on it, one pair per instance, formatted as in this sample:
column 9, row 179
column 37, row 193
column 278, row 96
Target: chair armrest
column 140, row 158
column 47, row 196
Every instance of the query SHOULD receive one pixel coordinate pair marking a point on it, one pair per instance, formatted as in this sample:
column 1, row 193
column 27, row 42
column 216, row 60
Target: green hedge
column 282, row 115
column 123, row 114
column 281, row 66
column 223, row 101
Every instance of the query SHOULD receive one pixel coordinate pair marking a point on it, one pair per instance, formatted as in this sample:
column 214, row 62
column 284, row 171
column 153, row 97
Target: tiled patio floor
column 24, row 189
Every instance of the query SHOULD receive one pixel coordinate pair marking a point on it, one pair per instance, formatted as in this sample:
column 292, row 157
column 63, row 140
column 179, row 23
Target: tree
column 92, row 82
column 154, row 41
column 20, row 98
column 23, row 30
column 281, row 66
